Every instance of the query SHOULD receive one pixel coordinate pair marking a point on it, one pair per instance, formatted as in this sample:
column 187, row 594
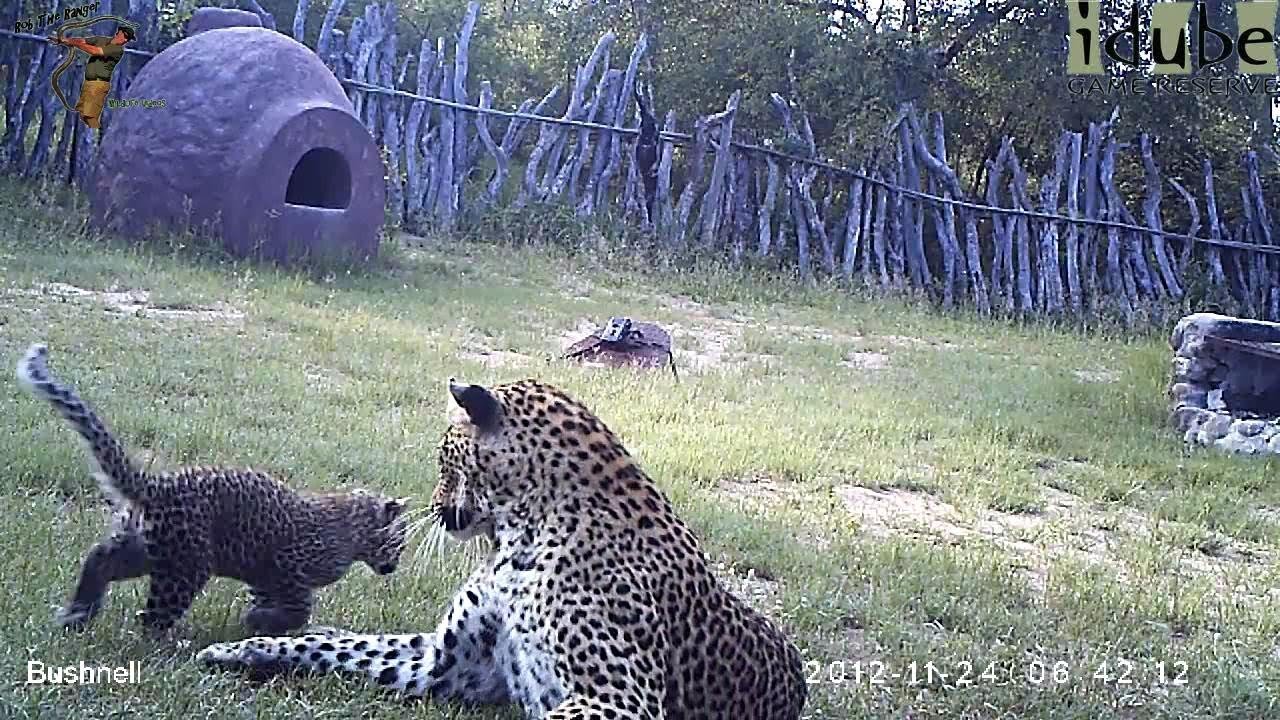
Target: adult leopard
column 596, row 601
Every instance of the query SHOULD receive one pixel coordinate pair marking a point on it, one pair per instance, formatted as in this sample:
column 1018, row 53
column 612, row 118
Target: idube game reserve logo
column 1098, row 64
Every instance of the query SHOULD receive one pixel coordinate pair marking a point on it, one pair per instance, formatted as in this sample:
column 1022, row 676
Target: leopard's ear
column 473, row 405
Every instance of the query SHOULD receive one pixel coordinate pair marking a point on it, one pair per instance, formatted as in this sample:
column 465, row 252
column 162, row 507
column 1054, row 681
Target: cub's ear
column 473, row 405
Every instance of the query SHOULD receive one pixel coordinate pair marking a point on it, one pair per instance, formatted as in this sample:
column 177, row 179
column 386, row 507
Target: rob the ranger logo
column 1168, row 48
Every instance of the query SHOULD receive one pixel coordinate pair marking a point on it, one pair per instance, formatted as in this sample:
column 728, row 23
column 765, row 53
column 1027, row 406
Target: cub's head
column 507, row 449
column 381, row 525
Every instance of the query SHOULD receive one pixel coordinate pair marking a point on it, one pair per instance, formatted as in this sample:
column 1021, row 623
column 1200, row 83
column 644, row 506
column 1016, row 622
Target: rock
column 1242, row 445
column 1192, row 349
column 1213, row 400
column 1274, row 444
column 256, row 144
column 1269, row 431
column 212, row 18
column 1186, row 394
column 1189, row 327
column 1190, row 419
column 1175, row 337
column 1193, row 370
column 1248, row 428
column 1214, row 428
column 1194, row 326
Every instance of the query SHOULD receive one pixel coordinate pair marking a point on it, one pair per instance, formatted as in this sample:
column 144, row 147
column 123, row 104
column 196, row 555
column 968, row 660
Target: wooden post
column 1151, row 211
column 713, row 199
column 764, row 215
column 461, row 164
column 1074, row 298
column 500, row 158
column 852, row 228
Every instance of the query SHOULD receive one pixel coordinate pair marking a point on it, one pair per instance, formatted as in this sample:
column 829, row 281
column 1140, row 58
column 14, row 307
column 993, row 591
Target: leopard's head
column 509, row 450
column 381, row 520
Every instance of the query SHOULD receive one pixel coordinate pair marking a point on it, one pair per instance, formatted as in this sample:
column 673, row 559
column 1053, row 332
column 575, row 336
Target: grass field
column 953, row 519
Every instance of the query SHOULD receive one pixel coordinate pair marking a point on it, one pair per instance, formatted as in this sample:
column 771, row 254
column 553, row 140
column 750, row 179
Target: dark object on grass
column 255, row 144
column 622, row 343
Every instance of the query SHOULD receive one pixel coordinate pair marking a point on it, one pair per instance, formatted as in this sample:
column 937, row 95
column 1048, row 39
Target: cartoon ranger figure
column 104, row 53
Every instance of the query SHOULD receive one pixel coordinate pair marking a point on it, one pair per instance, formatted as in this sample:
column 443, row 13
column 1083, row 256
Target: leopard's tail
column 410, row 664
column 117, row 475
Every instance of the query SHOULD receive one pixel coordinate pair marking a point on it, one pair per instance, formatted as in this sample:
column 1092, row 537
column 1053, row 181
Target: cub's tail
column 116, row 474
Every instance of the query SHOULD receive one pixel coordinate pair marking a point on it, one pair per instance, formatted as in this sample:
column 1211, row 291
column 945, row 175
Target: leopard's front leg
column 453, row 663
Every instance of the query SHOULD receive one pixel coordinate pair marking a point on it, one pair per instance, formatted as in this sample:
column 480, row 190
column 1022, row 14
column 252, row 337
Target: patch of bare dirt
column 1096, row 375
column 709, row 349
column 888, row 512
column 1066, row 527
column 585, row 327
column 762, row 491
column 809, row 332
column 705, row 340
column 764, row 494
column 866, row 361
column 893, row 511
column 702, row 340
column 496, row 358
column 904, row 341
column 135, row 303
column 873, row 360
column 323, row 379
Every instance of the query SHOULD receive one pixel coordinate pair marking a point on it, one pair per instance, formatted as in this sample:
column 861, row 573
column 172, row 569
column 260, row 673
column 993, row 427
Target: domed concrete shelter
column 256, row 143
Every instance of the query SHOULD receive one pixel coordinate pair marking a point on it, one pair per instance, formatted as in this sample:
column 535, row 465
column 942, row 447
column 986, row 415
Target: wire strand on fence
column 685, row 139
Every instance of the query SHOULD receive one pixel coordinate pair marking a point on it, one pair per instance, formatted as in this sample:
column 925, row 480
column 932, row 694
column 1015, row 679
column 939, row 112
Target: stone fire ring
column 256, row 144
column 1225, row 390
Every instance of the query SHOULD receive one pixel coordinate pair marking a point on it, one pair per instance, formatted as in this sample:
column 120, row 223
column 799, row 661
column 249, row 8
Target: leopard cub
column 183, row 527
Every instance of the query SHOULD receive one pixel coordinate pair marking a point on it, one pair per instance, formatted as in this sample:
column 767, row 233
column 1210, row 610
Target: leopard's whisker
column 416, row 526
column 430, row 553
column 415, row 512
column 413, row 532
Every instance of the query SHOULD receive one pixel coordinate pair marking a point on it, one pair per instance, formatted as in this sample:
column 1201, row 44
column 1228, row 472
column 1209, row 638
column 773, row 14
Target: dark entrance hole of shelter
column 321, row 179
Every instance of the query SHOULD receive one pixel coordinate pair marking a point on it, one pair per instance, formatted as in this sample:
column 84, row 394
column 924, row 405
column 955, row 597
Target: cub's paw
column 178, row 633
column 75, row 616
